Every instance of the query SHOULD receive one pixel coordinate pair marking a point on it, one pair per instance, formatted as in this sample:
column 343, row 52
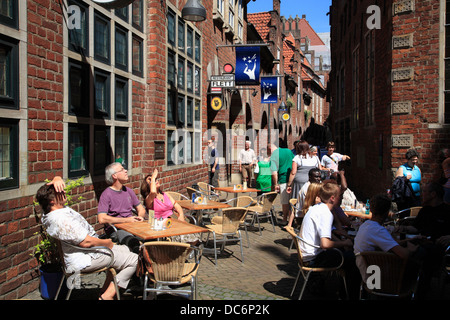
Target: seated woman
column 163, row 204
column 67, row 225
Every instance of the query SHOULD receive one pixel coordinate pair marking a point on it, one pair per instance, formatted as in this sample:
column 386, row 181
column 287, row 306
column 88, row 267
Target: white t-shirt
column 68, row 225
column 307, row 161
column 332, row 161
column 316, row 224
column 247, row 156
column 371, row 236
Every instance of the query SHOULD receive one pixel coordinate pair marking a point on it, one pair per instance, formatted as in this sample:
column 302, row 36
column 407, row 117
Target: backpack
column 402, row 192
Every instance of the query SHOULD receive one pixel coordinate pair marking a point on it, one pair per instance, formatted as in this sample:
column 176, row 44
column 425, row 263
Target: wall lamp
column 193, row 11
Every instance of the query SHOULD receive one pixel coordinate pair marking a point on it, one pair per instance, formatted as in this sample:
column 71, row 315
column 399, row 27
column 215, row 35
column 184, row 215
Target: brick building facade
column 388, row 88
column 83, row 86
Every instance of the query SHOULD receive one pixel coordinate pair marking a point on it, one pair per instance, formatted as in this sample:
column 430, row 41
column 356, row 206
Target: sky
column 315, row 11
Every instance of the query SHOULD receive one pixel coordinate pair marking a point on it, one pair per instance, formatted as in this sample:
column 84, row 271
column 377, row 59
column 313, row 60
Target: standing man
column 330, row 161
column 214, row 164
column 247, row 160
column 281, row 166
column 116, row 205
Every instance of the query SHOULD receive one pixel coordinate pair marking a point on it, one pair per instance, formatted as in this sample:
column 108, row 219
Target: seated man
column 116, row 206
column 433, row 219
column 67, row 225
column 372, row 236
column 316, row 229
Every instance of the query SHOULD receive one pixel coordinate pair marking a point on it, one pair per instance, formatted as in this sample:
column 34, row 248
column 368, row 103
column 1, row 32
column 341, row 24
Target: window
column 198, row 50
column 183, row 92
column 137, row 10
column 121, row 146
column 78, row 84
column 171, row 27
column 180, row 73
column 137, row 64
column 102, row 94
column 9, row 13
column 121, row 98
column 102, row 154
column 78, row 150
column 369, row 76
column 9, row 74
column 181, row 35
column 78, row 37
column 122, row 13
column 220, row 5
column 101, row 39
column 189, row 42
column 121, row 49
column 9, row 154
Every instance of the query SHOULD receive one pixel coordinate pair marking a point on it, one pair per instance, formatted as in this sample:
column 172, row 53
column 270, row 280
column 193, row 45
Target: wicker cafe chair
column 306, row 271
column 208, row 190
column 171, row 267
column 392, row 280
column 177, row 196
column 228, row 227
column 263, row 209
column 241, row 202
column 108, row 268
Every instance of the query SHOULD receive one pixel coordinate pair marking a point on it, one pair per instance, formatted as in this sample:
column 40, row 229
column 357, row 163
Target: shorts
column 284, row 196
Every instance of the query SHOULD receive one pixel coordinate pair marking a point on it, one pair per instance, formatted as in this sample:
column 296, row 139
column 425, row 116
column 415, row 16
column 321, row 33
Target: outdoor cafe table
column 232, row 190
column 144, row 231
column 209, row 205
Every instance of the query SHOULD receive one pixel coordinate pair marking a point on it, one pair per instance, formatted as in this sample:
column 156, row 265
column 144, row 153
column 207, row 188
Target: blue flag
column 247, row 66
column 269, row 89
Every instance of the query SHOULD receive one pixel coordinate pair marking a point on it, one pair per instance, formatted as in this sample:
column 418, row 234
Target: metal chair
column 67, row 275
column 263, row 209
column 306, row 271
column 171, row 267
column 392, row 281
column 241, row 202
column 208, row 190
column 228, row 228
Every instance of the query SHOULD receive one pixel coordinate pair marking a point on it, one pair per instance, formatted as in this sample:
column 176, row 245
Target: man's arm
column 326, row 243
column 90, row 242
column 105, row 219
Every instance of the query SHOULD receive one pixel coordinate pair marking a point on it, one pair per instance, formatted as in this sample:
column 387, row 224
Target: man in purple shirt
column 116, row 205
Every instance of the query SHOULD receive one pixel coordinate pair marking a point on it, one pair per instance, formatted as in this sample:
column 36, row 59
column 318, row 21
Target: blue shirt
column 416, row 177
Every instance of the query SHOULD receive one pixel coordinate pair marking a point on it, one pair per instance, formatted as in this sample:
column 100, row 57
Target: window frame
column 107, row 44
column 11, row 182
column 13, row 21
column 11, row 100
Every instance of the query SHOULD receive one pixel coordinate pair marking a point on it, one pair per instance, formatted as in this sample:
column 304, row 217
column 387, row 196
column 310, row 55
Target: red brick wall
column 422, row 90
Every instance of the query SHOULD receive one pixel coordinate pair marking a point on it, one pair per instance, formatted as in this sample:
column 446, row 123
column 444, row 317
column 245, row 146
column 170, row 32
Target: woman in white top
column 301, row 164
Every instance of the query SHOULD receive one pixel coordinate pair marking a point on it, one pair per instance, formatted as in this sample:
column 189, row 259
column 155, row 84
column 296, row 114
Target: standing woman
column 301, row 164
column 412, row 172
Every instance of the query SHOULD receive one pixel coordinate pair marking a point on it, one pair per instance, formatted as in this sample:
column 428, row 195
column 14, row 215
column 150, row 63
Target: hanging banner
column 247, row 66
column 269, row 89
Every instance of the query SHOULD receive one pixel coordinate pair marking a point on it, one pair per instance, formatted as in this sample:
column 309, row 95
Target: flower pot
column 49, row 283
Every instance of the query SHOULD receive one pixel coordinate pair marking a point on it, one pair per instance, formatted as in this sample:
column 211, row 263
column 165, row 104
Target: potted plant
column 46, row 251
column 289, row 103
